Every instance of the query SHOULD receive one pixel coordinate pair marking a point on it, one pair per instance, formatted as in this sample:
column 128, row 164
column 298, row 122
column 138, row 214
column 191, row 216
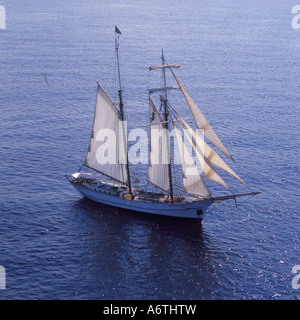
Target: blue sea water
column 240, row 62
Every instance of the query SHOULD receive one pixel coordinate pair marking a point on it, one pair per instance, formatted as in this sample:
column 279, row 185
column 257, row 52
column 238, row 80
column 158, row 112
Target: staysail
column 107, row 151
column 208, row 152
column 209, row 172
column 201, row 121
column 191, row 178
column 159, row 153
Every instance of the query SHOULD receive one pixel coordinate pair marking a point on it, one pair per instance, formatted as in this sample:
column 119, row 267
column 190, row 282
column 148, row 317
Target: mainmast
column 117, row 33
column 166, row 116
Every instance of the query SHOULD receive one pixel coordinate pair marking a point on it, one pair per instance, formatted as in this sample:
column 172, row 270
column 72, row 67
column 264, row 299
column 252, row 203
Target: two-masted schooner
column 112, row 184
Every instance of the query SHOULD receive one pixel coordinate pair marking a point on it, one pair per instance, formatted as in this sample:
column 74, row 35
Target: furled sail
column 107, row 149
column 192, row 180
column 201, row 121
column 163, row 89
column 164, row 66
column 159, row 155
column 209, row 153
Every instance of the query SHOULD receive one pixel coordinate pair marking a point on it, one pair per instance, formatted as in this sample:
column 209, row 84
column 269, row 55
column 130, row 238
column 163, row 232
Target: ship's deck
column 121, row 190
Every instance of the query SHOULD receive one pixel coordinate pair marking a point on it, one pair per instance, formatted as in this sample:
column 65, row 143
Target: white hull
column 189, row 210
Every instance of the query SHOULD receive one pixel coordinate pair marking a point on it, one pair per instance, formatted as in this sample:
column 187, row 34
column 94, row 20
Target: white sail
column 201, row 121
column 192, row 181
column 107, row 149
column 209, row 172
column 210, row 155
column 159, row 155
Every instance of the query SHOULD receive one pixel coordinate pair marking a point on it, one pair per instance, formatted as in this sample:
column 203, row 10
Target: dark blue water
column 240, row 63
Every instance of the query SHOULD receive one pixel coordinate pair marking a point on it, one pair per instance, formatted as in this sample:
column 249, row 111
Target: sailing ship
column 107, row 179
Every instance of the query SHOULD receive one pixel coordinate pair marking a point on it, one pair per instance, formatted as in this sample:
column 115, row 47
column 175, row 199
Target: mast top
column 117, row 33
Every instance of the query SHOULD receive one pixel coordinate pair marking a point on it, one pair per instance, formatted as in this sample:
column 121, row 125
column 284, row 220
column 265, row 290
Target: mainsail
column 159, row 155
column 107, row 149
column 191, row 178
column 201, row 121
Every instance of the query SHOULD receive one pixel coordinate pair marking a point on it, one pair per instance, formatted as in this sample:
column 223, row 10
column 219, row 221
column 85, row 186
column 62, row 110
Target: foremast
column 166, row 118
column 121, row 105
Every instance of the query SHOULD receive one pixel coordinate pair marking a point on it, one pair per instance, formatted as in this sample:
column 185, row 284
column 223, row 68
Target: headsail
column 208, row 170
column 159, row 154
column 192, row 180
column 209, row 153
column 107, row 149
column 201, row 121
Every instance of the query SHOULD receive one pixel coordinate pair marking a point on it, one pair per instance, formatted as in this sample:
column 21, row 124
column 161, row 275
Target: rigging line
column 109, row 72
column 173, row 114
column 148, row 84
column 115, row 82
